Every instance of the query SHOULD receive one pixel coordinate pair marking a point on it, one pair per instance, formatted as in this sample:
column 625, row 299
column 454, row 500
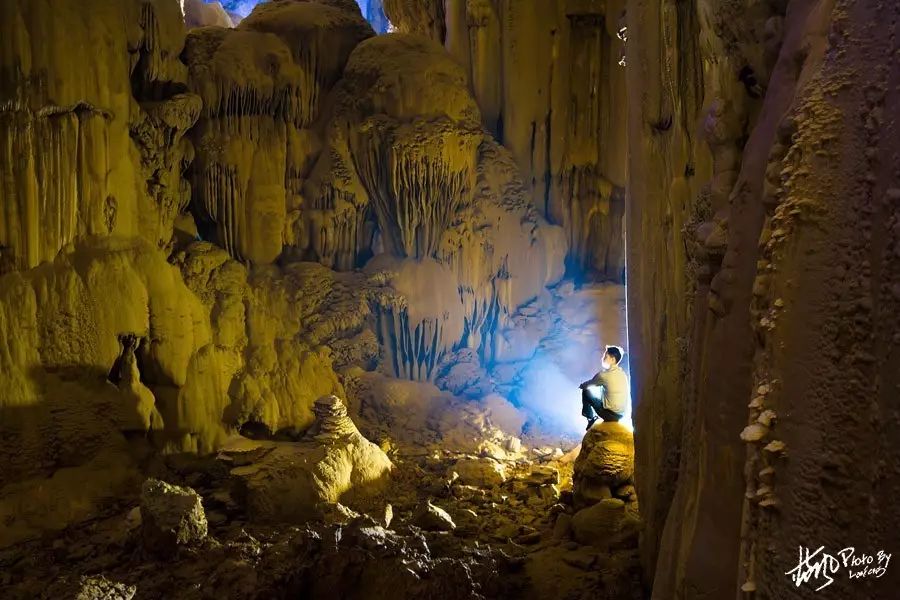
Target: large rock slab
column 433, row 518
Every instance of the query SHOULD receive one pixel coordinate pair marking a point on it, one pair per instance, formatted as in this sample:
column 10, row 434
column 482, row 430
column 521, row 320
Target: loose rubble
column 449, row 525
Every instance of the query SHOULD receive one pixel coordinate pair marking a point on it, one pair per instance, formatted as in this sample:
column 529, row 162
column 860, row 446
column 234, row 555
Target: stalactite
column 238, row 181
column 218, row 191
column 262, row 86
column 156, row 64
column 343, row 235
column 503, row 254
column 549, row 87
column 419, row 315
column 319, row 38
column 414, row 350
column 419, row 175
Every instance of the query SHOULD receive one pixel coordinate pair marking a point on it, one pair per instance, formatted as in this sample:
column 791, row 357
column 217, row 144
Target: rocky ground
column 436, row 524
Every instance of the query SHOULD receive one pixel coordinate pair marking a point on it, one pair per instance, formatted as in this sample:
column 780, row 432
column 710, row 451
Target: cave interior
column 297, row 298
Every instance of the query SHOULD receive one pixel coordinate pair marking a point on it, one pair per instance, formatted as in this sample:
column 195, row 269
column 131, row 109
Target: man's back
column 615, row 389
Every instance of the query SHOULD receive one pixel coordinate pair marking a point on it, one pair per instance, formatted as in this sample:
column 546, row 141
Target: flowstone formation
column 262, row 85
column 397, row 166
column 547, row 78
column 91, row 156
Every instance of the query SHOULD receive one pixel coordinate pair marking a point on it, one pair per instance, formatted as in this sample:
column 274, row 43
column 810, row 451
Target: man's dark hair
column 615, row 352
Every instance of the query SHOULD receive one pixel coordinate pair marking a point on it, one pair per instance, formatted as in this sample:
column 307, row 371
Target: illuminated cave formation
column 291, row 306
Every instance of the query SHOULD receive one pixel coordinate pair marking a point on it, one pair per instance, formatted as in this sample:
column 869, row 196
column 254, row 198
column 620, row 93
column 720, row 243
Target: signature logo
column 817, row 566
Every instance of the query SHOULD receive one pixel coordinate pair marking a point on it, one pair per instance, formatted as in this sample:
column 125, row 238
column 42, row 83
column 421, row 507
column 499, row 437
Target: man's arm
column 592, row 381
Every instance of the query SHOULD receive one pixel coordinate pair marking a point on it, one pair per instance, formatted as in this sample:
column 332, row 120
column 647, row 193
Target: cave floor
column 506, row 542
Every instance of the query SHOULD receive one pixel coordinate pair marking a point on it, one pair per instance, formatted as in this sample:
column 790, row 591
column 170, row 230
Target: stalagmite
column 298, row 481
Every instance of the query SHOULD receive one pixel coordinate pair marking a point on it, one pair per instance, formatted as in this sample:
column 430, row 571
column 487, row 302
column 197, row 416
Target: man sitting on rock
column 613, row 383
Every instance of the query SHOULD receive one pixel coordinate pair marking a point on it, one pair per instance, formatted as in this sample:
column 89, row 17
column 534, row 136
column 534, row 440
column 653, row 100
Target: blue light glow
column 371, row 10
column 240, row 7
column 553, row 399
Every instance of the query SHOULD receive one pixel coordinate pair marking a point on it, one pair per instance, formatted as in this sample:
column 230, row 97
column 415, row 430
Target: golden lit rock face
column 90, row 155
column 194, row 249
column 228, row 232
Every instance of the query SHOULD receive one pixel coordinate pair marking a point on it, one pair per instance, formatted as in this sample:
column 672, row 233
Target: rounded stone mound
column 294, row 482
column 606, row 461
column 605, row 524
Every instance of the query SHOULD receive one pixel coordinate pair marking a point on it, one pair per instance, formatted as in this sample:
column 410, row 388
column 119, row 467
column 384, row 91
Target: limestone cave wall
column 547, row 78
column 91, row 156
column 761, row 313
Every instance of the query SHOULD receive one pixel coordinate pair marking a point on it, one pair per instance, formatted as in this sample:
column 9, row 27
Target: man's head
column 612, row 357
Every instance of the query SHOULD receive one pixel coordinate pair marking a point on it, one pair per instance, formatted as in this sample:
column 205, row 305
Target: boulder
column 605, row 524
column 433, row 518
column 606, row 460
column 335, row 513
column 467, row 520
column 171, row 516
column 590, row 493
column 543, row 494
column 84, row 587
column 544, row 475
column 481, row 472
